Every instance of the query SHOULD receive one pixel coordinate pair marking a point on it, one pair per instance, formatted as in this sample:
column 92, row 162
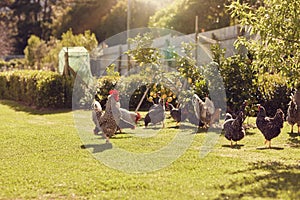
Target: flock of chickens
column 197, row 112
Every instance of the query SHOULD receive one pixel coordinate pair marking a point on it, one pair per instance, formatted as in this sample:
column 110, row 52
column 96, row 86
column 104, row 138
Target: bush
column 42, row 89
column 273, row 92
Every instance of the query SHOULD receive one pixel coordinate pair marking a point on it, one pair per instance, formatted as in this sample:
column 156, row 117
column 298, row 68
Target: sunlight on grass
column 47, row 155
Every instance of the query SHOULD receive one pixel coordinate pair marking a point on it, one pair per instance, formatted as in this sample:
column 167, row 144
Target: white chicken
column 96, row 113
column 205, row 112
column 129, row 119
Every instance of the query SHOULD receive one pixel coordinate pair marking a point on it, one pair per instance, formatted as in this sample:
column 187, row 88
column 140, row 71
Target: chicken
column 293, row 113
column 128, row 119
column 269, row 127
column 112, row 117
column 233, row 128
column 156, row 114
column 96, row 114
column 178, row 114
column 242, row 109
column 205, row 111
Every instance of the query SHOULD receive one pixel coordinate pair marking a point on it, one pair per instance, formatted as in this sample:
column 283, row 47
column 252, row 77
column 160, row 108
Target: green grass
column 42, row 157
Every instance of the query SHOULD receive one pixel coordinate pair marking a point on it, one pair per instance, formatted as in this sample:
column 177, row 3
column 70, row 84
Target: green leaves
column 42, row 89
column 278, row 25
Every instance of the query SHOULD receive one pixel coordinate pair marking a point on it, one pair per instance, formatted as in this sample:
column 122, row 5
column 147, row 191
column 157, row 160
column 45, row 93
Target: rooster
column 233, row 128
column 269, row 127
column 112, row 117
column 293, row 113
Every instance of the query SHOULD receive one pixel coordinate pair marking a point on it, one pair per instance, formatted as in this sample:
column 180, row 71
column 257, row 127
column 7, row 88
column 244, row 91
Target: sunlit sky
column 160, row 2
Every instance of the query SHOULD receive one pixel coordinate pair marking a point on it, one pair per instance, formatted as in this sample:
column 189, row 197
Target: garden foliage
column 41, row 89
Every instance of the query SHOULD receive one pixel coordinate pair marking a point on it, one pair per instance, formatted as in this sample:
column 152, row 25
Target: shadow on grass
column 97, row 147
column 294, row 141
column 124, row 136
column 266, row 148
column 250, row 132
column 19, row 107
column 234, row 146
column 264, row 180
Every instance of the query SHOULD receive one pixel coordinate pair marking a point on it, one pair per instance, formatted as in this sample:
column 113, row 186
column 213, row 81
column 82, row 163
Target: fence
column 115, row 54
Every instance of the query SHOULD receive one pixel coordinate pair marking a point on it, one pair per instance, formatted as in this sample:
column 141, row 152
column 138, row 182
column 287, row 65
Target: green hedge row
column 43, row 89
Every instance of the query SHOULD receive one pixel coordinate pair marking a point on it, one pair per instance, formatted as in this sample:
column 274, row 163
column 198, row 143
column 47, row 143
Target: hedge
column 42, row 89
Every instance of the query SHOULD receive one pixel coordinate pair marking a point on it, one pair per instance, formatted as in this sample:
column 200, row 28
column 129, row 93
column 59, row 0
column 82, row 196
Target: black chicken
column 241, row 109
column 269, row 127
column 234, row 131
column 293, row 112
column 178, row 114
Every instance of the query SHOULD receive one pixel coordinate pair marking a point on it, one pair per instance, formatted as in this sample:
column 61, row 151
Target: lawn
column 55, row 155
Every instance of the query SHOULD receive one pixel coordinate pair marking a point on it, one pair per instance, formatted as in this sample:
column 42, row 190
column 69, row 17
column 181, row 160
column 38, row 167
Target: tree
column 82, row 15
column 23, row 18
column 35, row 51
column 180, row 15
column 44, row 54
column 26, row 15
column 6, row 41
column 278, row 26
column 116, row 20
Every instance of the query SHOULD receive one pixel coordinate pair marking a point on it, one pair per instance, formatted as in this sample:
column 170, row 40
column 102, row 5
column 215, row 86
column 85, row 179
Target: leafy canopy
column 277, row 23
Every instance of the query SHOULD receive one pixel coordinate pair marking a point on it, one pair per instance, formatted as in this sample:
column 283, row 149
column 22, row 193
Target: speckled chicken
column 269, row 127
column 110, row 119
column 293, row 112
column 233, row 128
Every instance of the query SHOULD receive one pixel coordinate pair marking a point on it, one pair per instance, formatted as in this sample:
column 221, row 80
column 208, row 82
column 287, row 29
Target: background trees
column 180, row 15
column 105, row 18
column 278, row 25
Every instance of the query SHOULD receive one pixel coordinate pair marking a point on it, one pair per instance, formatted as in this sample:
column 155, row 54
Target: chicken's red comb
column 137, row 117
column 113, row 92
column 258, row 106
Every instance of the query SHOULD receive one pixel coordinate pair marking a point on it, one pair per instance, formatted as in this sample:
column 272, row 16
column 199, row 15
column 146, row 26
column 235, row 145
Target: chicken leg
column 268, row 141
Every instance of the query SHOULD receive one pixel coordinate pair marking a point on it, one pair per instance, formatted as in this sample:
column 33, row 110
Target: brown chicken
column 269, row 127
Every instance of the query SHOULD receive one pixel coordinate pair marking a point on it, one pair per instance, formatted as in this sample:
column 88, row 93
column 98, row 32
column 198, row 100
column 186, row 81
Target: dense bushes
column 42, row 89
column 273, row 92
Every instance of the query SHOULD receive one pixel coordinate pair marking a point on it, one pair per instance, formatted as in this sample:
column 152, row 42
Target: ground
column 44, row 157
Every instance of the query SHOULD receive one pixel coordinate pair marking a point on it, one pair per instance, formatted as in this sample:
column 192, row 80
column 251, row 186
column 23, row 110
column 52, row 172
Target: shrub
column 240, row 81
column 42, row 89
column 273, row 92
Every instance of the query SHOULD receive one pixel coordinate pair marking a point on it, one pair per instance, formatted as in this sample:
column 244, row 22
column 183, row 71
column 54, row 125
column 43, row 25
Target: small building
column 78, row 60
